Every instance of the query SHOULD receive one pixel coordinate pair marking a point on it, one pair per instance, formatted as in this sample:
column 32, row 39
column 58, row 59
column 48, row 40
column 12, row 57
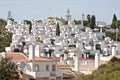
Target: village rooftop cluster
column 41, row 54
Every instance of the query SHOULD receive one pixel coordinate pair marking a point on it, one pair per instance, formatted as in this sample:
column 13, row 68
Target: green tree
column 114, row 59
column 5, row 37
column 85, row 23
column 114, row 22
column 118, row 24
column 114, row 18
column 58, row 30
column 88, row 20
column 8, row 70
column 77, row 22
column 114, row 25
column 3, row 23
column 93, row 22
column 84, row 77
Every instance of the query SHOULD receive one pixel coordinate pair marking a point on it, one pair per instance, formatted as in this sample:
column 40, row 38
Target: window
column 98, row 47
column 47, row 67
column 53, row 67
column 37, row 67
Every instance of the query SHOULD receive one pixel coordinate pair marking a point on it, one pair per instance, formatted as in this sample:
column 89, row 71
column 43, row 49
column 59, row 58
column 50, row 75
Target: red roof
column 17, row 56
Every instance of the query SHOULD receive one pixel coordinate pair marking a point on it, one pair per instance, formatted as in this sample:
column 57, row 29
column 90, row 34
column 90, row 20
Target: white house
column 35, row 66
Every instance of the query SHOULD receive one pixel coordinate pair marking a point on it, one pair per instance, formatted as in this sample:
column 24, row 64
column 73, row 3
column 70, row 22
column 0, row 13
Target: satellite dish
column 22, row 65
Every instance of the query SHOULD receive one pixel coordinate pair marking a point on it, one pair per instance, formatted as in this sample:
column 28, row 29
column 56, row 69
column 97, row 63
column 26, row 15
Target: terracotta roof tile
column 17, row 56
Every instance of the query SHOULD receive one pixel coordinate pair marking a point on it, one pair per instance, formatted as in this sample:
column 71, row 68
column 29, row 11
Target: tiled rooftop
column 21, row 57
column 17, row 56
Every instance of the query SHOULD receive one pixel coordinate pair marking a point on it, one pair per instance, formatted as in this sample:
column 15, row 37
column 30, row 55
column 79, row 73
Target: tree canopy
column 114, row 18
column 93, row 22
column 8, row 70
column 5, row 37
column 88, row 20
column 58, row 30
column 2, row 26
column 114, row 23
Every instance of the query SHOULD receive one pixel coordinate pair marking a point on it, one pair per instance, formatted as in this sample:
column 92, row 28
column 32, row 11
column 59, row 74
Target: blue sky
column 41, row 9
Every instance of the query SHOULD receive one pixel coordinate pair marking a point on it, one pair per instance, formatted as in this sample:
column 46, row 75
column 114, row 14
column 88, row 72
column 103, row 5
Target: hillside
column 110, row 71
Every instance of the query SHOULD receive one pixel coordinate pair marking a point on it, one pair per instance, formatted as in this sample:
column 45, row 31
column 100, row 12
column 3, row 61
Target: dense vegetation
column 113, row 35
column 110, row 71
column 115, row 25
column 5, row 37
column 8, row 70
column 90, row 22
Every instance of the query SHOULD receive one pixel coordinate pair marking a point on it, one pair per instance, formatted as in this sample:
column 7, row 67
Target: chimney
column 96, row 60
column 76, row 62
column 31, row 52
column 113, row 51
column 32, row 57
column 78, row 46
column 37, row 50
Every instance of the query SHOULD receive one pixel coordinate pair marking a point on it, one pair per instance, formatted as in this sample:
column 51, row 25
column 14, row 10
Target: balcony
column 44, row 74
